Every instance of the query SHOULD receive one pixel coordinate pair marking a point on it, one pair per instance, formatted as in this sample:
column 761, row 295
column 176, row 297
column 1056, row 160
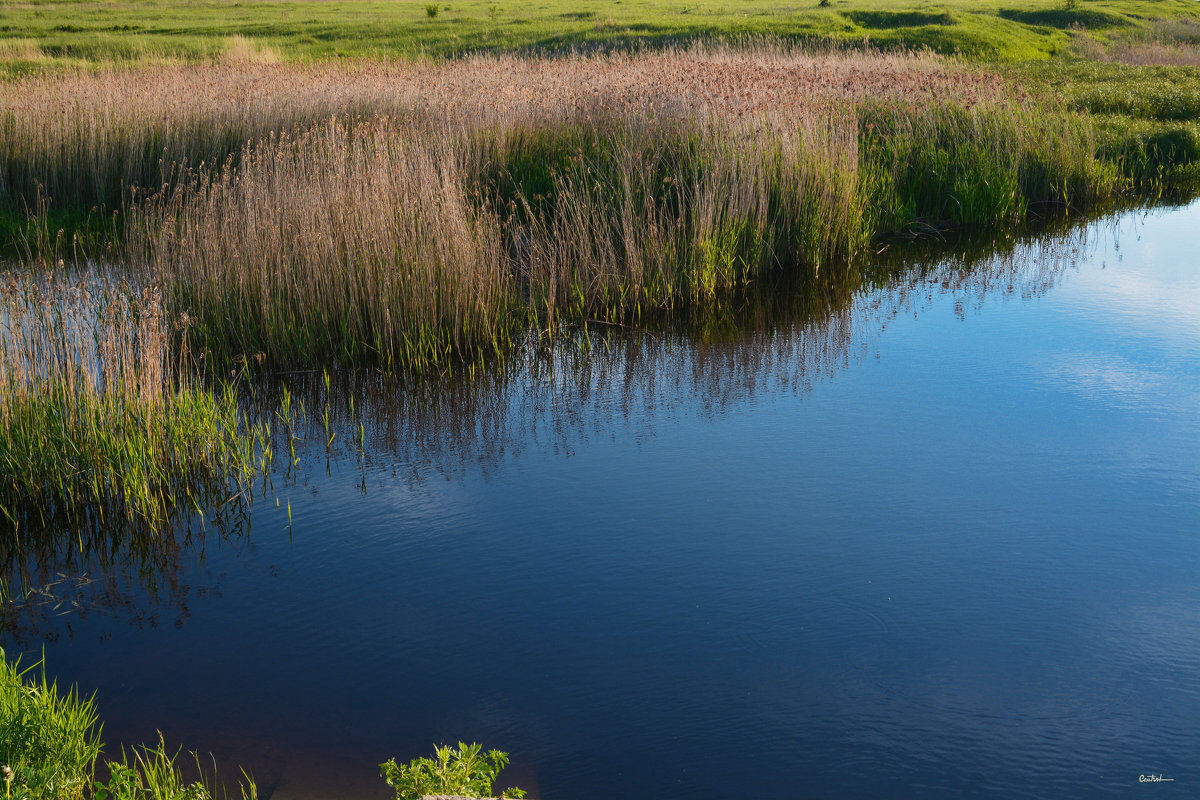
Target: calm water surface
column 939, row 538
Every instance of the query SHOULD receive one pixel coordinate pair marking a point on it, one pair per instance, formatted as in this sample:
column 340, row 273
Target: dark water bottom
column 937, row 540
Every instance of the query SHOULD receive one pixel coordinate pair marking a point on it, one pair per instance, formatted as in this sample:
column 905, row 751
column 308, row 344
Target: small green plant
column 824, row 4
column 431, row 10
column 1071, row 5
column 465, row 772
column 152, row 773
column 49, row 742
column 493, row 10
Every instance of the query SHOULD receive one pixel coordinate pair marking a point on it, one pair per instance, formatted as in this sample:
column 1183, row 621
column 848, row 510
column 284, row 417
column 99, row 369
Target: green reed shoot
column 99, row 418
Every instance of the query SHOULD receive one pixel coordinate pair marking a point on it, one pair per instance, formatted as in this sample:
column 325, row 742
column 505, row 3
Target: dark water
column 938, row 537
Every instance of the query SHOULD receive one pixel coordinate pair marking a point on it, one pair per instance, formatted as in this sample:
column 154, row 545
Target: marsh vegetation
column 415, row 216
column 198, row 219
column 233, row 219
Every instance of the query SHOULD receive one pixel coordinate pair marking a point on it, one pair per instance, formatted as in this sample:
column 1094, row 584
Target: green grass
column 50, row 743
column 98, row 426
column 1147, row 117
column 73, row 32
column 462, row 772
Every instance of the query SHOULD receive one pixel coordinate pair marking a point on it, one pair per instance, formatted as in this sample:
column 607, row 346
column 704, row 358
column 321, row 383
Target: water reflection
column 53, row 574
column 596, row 383
column 609, row 380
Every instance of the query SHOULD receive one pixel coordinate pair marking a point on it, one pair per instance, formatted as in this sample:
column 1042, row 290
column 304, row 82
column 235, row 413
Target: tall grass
column 410, row 215
column 415, row 239
column 377, row 225
column 49, row 741
column 949, row 165
column 99, row 423
column 89, row 139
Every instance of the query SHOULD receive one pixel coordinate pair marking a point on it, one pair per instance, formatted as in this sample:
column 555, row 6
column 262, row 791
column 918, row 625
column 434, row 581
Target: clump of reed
column 376, row 225
column 411, row 243
column 948, row 165
column 99, row 423
column 411, row 214
column 91, row 138
column 411, row 246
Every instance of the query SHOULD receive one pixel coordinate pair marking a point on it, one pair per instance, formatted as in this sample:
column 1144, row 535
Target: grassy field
column 39, row 32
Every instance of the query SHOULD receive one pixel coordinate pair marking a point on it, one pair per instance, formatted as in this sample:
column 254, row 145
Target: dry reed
column 1174, row 43
column 411, row 213
column 86, row 139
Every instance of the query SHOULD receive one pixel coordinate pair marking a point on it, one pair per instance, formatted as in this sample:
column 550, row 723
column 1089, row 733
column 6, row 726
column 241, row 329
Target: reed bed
column 88, row 139
column 483, row 197
column 413, row 214
column 98, row 423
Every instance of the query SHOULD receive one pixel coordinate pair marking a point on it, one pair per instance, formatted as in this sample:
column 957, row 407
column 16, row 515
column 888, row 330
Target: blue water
column 937, row 539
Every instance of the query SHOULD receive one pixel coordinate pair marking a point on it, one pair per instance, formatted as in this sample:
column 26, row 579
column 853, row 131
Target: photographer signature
column 1154, row 779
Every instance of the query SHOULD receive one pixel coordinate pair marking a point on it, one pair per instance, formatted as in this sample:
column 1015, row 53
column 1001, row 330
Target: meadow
column 71, row 32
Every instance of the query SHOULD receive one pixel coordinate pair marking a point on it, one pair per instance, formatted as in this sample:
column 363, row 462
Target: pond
column 936, row 535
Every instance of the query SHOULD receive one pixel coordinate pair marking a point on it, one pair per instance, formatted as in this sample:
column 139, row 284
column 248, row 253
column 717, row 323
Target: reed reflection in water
column 733, row 539
column 555, row 395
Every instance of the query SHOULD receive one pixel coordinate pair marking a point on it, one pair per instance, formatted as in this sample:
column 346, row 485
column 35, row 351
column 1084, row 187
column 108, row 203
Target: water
column 934, row 538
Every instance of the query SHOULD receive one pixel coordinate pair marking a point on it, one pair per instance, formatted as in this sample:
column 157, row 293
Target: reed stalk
column 100, row 422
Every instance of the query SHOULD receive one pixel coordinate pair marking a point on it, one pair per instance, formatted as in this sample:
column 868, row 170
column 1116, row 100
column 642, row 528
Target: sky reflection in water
column 933, row 538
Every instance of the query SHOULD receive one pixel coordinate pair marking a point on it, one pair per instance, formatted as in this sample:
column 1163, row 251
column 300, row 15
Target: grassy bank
column 51, row 748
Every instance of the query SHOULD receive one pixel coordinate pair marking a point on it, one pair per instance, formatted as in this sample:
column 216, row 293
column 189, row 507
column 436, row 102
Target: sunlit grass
column 100, row 422
column 66, row 34
column 499, row 194
column 50, row 744
column 49, row 741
